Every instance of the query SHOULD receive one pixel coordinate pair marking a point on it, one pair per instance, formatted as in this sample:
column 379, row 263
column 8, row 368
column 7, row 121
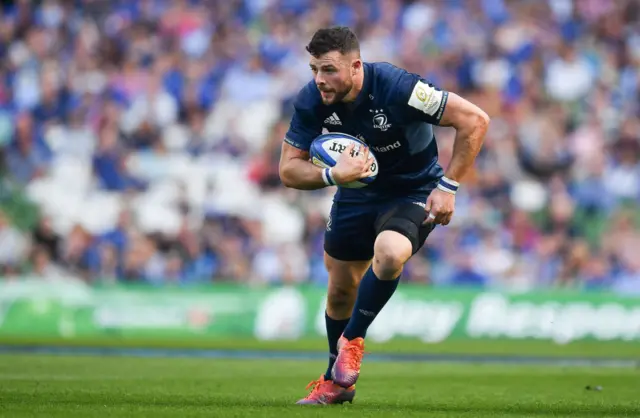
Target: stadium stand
column 140, row 140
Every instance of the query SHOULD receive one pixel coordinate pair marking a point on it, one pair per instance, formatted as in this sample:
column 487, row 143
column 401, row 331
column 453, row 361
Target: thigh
column 350, row 232
column 345, row 274
column 406, row 216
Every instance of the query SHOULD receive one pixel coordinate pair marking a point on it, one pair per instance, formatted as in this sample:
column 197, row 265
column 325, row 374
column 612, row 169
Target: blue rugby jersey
column 393, row 115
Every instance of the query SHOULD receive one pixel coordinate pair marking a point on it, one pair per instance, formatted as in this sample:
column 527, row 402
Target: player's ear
column 356, row 66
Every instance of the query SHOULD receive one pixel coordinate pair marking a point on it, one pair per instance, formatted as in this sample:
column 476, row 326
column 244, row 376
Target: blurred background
column 139, row 140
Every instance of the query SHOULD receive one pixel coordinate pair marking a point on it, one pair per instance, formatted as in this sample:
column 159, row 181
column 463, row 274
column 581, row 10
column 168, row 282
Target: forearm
column 467, row 144
column 302, row 175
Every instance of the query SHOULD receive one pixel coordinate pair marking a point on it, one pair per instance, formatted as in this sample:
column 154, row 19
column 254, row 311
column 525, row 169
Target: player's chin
column 328, row 97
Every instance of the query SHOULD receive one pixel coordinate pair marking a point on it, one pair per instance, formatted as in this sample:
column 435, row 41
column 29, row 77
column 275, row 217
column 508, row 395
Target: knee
column 391, row 251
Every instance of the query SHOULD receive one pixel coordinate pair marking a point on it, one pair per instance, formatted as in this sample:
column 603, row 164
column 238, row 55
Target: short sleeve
column 304, row 128
column 423, row 101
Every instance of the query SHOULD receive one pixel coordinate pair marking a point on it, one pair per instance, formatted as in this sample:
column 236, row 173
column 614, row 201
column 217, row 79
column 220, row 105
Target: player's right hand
column 352, row 165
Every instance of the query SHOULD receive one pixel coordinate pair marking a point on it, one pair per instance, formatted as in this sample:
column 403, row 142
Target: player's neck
column 358, row 82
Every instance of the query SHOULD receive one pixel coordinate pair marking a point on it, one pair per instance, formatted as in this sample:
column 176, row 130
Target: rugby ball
column 327, row 148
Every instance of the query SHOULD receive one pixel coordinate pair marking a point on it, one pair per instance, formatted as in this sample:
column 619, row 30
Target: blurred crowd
column 148, row 134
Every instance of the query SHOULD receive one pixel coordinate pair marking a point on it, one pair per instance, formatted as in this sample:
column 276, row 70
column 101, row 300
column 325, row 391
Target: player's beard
column 336, row 95
column 330, row 97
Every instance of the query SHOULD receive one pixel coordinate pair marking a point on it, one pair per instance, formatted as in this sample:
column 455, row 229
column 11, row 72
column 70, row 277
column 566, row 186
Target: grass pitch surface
column 489, row 347
column 89, row 386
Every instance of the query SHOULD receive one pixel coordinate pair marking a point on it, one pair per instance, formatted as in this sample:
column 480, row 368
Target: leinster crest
column 380, row 119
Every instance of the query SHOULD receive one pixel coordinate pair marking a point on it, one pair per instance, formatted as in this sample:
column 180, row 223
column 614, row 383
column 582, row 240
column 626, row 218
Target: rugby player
column 374, row 230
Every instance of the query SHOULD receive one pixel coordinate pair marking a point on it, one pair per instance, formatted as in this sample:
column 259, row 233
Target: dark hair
column 339, row 38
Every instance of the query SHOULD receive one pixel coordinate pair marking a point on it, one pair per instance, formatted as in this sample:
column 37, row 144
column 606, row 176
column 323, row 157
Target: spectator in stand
column 148, row 134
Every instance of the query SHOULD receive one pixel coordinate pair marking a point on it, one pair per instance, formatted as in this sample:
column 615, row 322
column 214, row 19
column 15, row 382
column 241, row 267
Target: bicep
column 460, row 112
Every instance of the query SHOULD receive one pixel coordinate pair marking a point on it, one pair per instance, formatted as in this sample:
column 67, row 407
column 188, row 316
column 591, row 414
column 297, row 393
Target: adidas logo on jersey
column 333, row 120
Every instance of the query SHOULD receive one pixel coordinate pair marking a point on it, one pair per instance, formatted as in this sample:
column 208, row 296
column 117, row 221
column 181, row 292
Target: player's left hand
column 440, row 207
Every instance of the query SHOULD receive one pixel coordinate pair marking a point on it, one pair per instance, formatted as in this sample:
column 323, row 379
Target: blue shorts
column 353, row 227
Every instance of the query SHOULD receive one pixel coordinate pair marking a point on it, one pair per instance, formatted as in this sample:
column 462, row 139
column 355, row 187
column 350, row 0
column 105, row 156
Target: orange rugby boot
column 325, row 392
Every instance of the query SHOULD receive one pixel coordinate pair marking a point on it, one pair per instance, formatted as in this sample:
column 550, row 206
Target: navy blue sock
column 335, row 327
column 373, row 294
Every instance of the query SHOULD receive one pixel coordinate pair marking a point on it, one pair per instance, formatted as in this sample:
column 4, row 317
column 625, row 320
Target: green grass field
column 593, row 349
column 59, row 386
